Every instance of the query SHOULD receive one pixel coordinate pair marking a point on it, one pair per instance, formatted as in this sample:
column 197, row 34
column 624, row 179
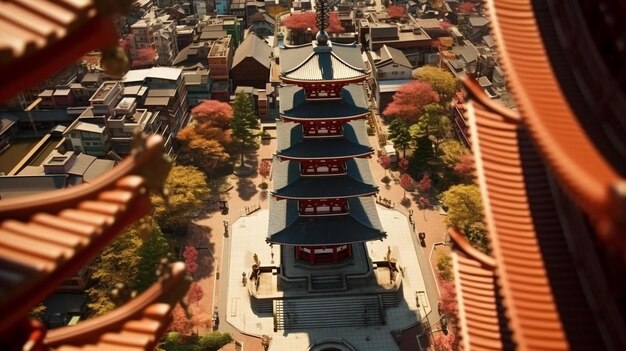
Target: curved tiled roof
column 483, row 321
column 41, row 37
column 290, row 184
column 569, row 148
column 537, row 277
column 361, row 224
column 45, row 238
column 324, row 66
column 351, row 105
column 134, row 326
column 292, row 144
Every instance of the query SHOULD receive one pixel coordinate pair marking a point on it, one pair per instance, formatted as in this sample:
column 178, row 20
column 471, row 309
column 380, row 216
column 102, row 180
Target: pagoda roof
column 292, row 144
column 324, row 66
column 346, row 56
column 288, row 182
column 294, row 104
column 288, row 228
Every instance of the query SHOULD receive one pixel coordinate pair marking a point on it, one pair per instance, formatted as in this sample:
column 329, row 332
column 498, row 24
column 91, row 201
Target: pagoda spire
column 322, row 20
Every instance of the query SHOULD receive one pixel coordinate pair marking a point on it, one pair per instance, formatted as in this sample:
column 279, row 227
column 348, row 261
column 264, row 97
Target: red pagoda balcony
column 322, row 207
column 322, row 167
column 322, row 128
column 323, row 254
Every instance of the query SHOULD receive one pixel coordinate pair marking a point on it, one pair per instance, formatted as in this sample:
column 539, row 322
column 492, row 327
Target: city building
column 251, row 63
column 157, row 31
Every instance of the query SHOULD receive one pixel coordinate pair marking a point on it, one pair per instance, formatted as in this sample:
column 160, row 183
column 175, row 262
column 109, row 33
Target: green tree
column 244, row 122
column 214, row 341
column 451, row 152
column 465, row 211
column 187, row 190
column 400, row 135
column 442, row 81
column 434, row 124
column 118, row 263
column 153, row 249
column 422, row 157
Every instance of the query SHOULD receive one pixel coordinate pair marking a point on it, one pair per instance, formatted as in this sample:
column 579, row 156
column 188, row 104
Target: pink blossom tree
column 424, row 184
column 407, row 183
column 300, row 22
column 264, row 171
column 144, row 57
column 190, row 255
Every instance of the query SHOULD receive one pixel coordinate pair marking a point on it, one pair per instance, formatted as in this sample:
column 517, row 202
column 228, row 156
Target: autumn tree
column 465, row 167
column 424, row 184
column 396, row 11
column 264, row 170
column 180, row 326
column 465, row 212
column 301, row 22
column 244, row 123
column 409, row 101
column 190, row 256
column 407, row 183
column 205, row 139
column 187, row 190
column 154, row 248
column 433, row 124
column 451, row 152
column 404, row 163
column 422, row 157
column 144, row 57
column 442, row 81
column 195, row 293
column 213, row 112
column 117, row 264
column 400, row 135
column 466, row 7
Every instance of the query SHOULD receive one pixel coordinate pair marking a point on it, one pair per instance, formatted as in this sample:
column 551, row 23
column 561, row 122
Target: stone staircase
column 391, row 299
column 327, row 282
column 328, row 312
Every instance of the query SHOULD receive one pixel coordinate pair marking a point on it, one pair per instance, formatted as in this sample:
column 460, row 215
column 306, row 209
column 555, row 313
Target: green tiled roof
column 288, row 228
column 289, row 183
column 291, row 142
column 294, row 104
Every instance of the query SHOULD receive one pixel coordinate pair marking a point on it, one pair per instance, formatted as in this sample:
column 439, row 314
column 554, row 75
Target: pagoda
column 322, row 203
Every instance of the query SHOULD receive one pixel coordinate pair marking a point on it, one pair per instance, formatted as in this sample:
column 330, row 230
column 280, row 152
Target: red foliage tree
column 144, row 57
column 465, row 167
column 443, row 342
column 191, row 259
column 407, row 183
column 423, row 202
column 195, row 293
column 180, row 323
column 409, row 101
column 385, row 161
column 404, row 163
column 264, row 169
column 466, row 7
column 396, row 11
column 213, row 113
column 300, row 22
column 448, row 298
column 424, row 184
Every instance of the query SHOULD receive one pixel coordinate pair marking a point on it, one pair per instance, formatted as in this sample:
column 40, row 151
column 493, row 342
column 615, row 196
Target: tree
column 404, row 163
column 118, row 263
column 423, row 203
column 424, row 184
column 442, row 82
column 180, row 323
column 443, row 342
column 213, row 113
column 451, row 152
column 301, row 22
column 202, row 147
column 385, row 162
column 465, row 212
column 144, row 57
column 154, row 248
column 195, row 293
column 190, row 255
column 400, row 135
column 409, row 101
column 214, row 341
column 407, row 183
column 422, row 156
column 187, row 190
column 444, row 266
column 434, row 124
column 466, row 7
column 396, row 11
column 244, row 122
column 264, row 169
column 465, row 167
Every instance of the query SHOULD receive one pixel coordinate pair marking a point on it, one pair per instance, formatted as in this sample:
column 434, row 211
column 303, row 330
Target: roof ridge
column 464, row 246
